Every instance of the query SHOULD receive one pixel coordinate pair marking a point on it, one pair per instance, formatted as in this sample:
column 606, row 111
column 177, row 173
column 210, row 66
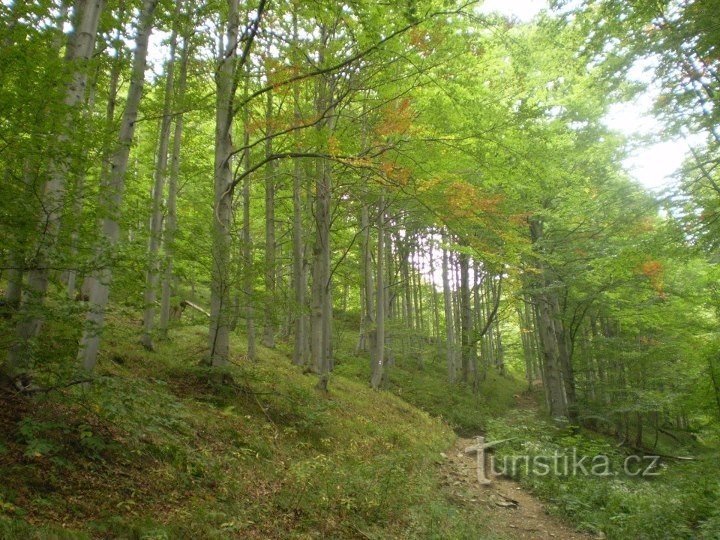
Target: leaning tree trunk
column 111, row 196
column 80, row 50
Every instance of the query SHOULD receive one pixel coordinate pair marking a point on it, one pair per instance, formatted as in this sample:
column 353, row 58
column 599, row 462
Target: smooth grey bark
column 112, row 194
column 321, row 276
column 378, row 357
column 160, row 174
column 171, row 218
column 466, row 319
column 299, row 278
column 449, row 319
column 270, row 327
column 80, row 50
column 321, row 311
column 220, row 313
column 247, row 248
column 546, row 320
column 367, row 330
column 435, row 300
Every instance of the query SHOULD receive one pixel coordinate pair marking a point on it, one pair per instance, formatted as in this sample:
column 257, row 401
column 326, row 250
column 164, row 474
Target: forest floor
column 157, row 447
column 512, row 511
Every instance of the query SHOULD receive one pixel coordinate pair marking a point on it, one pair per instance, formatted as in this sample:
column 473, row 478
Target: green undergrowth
column 420, row 378
column 159, row 447
column 674, row 499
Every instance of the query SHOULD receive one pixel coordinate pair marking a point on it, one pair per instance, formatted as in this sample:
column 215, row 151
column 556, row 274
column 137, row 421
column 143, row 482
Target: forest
column 271, row 268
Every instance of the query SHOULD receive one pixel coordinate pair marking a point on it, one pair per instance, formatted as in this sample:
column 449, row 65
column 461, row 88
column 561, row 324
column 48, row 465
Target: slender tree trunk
column 299, row 278
column 171, row 218
column 321, row 287
column 247, row 278
column 111, row 198
column 270, row 260
column 548, row 333
column 379, row 356
column 79, row 52
column 435, row 302
column 156, row 219
column 466, row 319
column 368, row 307
column 449, row 319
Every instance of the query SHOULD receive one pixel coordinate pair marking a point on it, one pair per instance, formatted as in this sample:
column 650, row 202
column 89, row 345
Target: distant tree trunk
column 270, row 264
column 80, row 50
column 247, row 245
column 368, row 297
column 321, row 285
column 171, row 218
column 449, row 319
column 546, row 321
column 156, row 219
column 299, row 278
column 417, row 281
column 466, row 318
column 435, row 301
column 111, row 198
column 379, row 356
column 391, row 295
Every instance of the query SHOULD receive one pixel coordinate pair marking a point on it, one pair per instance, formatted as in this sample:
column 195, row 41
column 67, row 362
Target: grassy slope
column 157, row 448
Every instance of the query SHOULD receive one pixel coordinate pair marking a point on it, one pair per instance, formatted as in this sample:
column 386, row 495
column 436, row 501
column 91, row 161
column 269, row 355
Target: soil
column 513, row 512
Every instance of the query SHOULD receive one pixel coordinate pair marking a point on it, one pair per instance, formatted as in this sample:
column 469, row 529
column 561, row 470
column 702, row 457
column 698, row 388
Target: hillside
column 158, row 447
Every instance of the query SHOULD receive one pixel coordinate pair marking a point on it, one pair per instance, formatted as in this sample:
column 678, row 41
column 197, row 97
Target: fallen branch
column 33, row 389
column 472, row 449
column 188, row 303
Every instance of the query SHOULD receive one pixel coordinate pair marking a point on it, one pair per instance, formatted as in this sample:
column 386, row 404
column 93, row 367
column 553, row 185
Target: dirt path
column 512, row 511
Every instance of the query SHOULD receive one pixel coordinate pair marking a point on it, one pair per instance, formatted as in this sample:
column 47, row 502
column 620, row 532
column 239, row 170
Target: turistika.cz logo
column 560, row 464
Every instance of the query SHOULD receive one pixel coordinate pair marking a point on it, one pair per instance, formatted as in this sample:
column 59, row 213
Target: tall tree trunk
column 435, row 302
column 219, row 335
column 367, row 331
column 270, row 264
column 156, row 219
column 80, row 50
column 379, row 356
column 548, row 334
column 247, row 245
column 299, row 278
column 111, row 198
column 171, row 218
column 449, row 319
column 321, row 287
column 466, row 319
